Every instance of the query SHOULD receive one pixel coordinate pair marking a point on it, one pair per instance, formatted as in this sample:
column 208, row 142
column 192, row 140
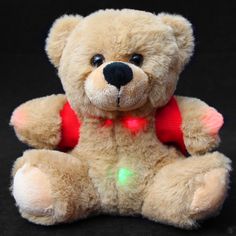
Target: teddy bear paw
column 18, row 118
column 209, row 197
column 32, row 192
column 212, row 121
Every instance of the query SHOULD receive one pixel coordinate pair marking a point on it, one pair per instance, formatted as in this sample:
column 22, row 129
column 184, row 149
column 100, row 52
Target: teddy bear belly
column 121, row 165
column 120, row 179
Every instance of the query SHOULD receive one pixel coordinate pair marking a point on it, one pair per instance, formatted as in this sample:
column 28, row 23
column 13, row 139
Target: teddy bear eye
column 97, row 60
column 136, row 59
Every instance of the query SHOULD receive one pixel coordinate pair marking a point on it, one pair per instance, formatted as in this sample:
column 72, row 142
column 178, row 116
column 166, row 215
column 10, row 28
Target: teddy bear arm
column 200, row 125
column 38, row 123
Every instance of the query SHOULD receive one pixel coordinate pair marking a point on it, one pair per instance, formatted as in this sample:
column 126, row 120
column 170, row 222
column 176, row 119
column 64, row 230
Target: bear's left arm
column 200, row 124
column 37, row 122
column 47, row 122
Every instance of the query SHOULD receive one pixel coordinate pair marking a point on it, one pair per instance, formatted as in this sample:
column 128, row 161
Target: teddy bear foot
column 32, row 192
column 187, row 191
column 52, row 187
column 209, row 197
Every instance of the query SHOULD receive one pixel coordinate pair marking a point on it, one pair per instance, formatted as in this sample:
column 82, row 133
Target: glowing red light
column 135, row 124
column 108, row 123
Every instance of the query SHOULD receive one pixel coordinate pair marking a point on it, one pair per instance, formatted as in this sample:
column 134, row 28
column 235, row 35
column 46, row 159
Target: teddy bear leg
column 52, row 187
column 188, row 190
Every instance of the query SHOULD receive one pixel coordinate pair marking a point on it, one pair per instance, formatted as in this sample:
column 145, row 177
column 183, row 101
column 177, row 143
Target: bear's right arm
column 43, row 123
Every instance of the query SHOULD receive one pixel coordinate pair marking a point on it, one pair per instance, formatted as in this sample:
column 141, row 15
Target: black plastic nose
column 118, row 74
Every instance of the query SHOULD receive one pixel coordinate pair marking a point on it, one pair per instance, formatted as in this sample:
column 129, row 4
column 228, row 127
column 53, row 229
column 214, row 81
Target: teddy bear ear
column 183, row 33
column 58, row 35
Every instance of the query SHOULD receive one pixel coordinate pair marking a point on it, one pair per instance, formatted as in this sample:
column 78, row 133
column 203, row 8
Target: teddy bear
column 119, row 141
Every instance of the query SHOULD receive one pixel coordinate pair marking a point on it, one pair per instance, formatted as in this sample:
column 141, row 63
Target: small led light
column 135, row 124
column 108, row 123
column 124, row 175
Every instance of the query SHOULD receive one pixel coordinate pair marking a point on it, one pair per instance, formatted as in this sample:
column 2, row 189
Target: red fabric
column 168, row 125
column 70, row 125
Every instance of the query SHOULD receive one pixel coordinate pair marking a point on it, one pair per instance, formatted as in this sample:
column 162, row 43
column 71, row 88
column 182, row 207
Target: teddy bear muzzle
column 117, row 86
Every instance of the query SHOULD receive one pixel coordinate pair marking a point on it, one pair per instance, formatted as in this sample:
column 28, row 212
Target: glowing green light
column 124, row 175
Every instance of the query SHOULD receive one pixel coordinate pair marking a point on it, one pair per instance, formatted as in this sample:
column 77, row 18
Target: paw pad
column 212, row 121
column 210, row 196
column 18, row 118
column 32, row 192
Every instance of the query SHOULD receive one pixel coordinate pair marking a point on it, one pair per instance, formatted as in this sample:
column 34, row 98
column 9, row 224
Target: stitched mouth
column 118, row 100
column 118, row 103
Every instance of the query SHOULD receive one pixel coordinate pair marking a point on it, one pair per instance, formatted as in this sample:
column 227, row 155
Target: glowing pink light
column 108, row 123
column 19, row 118
column 135, row 124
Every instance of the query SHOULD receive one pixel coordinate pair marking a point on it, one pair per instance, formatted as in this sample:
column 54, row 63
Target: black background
column 26, row 73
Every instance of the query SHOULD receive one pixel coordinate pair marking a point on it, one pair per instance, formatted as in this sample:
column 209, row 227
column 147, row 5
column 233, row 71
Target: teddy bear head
column 115, row 61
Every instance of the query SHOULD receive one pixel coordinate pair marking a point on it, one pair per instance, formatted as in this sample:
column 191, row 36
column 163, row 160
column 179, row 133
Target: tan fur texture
column 72, row 190
column 57, row 38
column 170, row 197
column 104, row 95
column 146, row 34
column 196, row 137
column 113, row 169
column 40, row 125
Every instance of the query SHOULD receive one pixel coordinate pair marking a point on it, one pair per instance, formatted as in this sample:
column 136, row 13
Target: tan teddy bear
column 120, row 134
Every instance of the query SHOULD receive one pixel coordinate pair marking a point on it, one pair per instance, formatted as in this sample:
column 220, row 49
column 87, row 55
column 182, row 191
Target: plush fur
column 39, row 127
column 162, row 184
